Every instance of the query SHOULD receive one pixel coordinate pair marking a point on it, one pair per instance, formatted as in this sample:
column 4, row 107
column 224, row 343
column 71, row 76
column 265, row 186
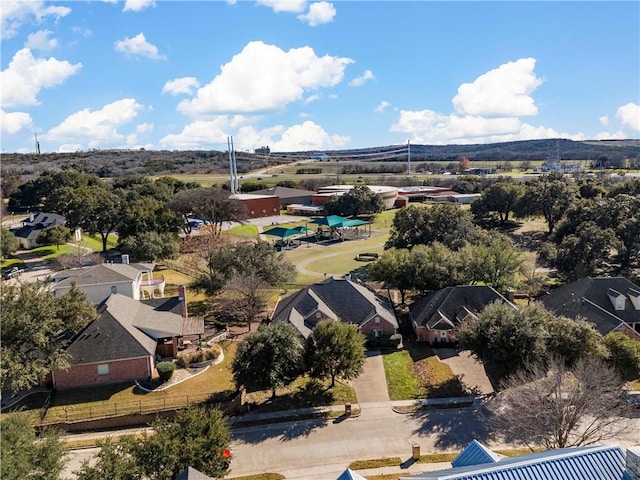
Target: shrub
column 165, row 370
column 182, row 361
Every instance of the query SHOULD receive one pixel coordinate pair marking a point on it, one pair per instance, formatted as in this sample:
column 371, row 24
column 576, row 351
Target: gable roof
column 583, row 463
column 125, row 328
column 349, row 474
column 338, row 299
column 36, row 223
column 475, row 454
column 588, row 298
column 102, row 273
column 446, row 308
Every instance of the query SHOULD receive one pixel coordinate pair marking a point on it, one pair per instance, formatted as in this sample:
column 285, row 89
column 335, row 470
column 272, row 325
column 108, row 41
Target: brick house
column 338, row 299
column 611, row 304
column 437, row 317
column 126, row 339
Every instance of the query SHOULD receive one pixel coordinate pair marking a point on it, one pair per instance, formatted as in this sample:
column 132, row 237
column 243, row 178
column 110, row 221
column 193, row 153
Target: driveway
column 371, row 385
column 463, row 364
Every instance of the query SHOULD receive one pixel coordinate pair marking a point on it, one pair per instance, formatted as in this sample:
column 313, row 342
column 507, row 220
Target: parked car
column 14, row 272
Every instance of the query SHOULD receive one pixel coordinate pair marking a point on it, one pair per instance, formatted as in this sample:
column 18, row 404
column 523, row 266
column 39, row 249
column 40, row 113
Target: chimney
column 182, row 296
column 125, row 258
column 511, row 295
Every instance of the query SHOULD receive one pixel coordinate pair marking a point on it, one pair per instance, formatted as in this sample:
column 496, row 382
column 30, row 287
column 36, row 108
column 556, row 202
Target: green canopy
column 332, row 221
column 285, row 232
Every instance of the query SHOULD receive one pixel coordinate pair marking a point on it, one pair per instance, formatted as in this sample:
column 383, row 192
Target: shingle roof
column 103, row 273
column 434, row 310
column 125, row 328
column 588, row 299
column 583, row 463
column 334, row 298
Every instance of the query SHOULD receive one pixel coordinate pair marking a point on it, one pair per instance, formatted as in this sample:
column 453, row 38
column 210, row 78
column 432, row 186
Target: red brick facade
column 368, row 328
column 86, row 375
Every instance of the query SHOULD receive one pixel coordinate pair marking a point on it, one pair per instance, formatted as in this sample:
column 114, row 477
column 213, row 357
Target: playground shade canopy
column 285, row 232
column 336, row 221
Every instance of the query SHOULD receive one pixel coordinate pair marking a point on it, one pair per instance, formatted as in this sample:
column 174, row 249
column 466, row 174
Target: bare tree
column 245, row 297
column 556, row 407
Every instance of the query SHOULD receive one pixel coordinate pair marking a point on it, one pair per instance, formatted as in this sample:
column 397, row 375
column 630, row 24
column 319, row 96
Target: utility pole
column 408, row 157
column 234, row 187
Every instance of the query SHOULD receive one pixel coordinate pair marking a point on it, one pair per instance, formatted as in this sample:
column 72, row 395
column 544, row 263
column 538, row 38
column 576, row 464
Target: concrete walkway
column 371, row 385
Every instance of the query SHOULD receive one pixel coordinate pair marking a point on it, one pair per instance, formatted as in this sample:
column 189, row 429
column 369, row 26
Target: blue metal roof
column 583, row 463
column 475, row 454
column 349, row 474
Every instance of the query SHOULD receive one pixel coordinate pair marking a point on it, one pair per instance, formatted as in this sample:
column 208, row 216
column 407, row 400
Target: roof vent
column 617, row 299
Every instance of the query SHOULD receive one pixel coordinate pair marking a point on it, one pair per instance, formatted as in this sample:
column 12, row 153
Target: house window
column 114, row 289
column 318, row 315
column 103, row 369
column 377, row 332
column 377, row 319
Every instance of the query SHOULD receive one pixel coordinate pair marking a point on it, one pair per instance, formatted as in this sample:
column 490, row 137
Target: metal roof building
column 581, row 463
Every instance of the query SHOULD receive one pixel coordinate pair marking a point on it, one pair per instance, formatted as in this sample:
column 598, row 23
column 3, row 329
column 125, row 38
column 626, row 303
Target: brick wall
column 387, row 328
column 86, row 375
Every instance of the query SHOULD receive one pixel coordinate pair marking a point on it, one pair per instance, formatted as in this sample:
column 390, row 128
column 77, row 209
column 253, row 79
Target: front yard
column 416, row 372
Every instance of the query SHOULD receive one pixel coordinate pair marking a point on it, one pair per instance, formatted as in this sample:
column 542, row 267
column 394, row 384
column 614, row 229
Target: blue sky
column 298, row 75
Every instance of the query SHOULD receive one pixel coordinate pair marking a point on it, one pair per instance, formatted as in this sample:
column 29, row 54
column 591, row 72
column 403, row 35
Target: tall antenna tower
column 233, row 167
column 37, row 143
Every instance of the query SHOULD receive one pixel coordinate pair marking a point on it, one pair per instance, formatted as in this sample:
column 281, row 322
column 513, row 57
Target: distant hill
column 113, row 163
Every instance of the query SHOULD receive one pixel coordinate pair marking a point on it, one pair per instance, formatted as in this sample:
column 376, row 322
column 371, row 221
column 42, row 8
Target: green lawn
column 94, row 242
column 416, row 372
column 401, row 382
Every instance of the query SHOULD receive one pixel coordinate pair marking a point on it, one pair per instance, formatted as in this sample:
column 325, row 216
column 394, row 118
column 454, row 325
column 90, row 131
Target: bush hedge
column 165, row 370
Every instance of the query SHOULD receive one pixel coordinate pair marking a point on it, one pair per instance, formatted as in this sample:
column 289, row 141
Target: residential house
column 477, row 462
column 135, row 280
column 437, row 317
column 338, row 299
column 125, row 341
column 611, row 304
column 36, row 223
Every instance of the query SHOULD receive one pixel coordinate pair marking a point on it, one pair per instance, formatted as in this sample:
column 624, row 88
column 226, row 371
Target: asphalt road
column 321, row 450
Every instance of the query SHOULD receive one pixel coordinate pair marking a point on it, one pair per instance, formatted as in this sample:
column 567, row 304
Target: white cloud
column 26, row 76
column 181, row 85
column 604, row 120
column 69, row 148
column 619, row 135
column 137, row 5
column 264, row 78
column 138, row 47
column 382, row 106
column 291, row 6
column 362, row 79
column 40, row 41
column 14, row 122
column 96, row 128
column 502, row 92
column 430, row 127
column 308, row 136
column 15, row 13
column 629, row 116
column 200, row 134
column 312, row 98
column 318, row 14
